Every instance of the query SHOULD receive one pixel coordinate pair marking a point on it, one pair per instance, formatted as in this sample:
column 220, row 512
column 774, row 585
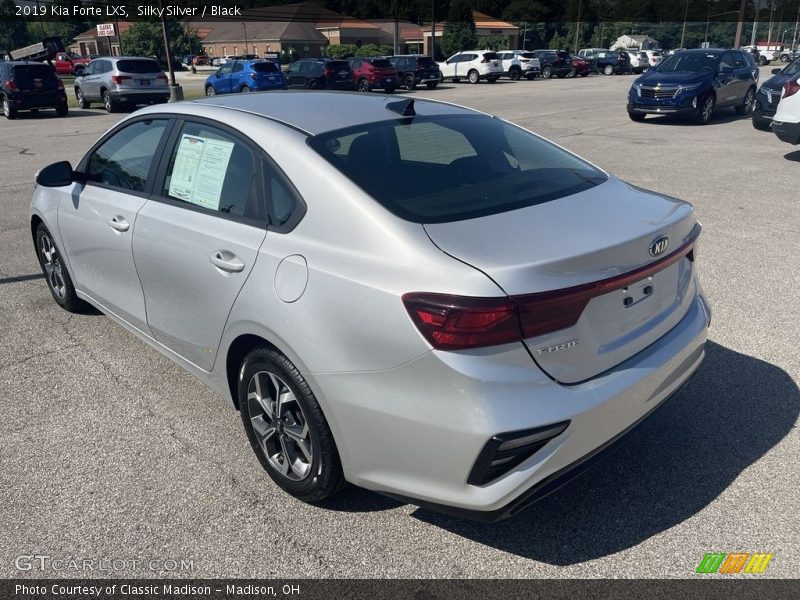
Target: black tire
column 431, row 85
column 389, row 90
column 455, row 79
column 514, row 74
column 784, row 58
column 561, row 75
column 210, row 91
column 748, row 103
column 638, row 117
column 320, row 476
column 761, row 124
column 608, row 70
column 585, row 73
column 410, row 82
column 108, row 102
column 473, row 76
column 572, row 72
column 705, row 109
column 62, row 110
column 763, row 61
column 491, row 79
column 245, row 90
column 82, row 102
column 55, row 272
column 547, row 71
column 364, row 86
column 9, row 111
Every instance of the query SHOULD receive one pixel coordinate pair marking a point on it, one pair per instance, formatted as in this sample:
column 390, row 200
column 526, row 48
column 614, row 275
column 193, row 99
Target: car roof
column 316, row 112
column 707, row 50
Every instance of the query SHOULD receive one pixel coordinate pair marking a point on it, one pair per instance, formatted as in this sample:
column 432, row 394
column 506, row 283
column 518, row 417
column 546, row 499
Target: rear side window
column 123, row 161
column 462, row 166
column 266, row 67
column 138, row 66
column 381, row 63
column 425, row 61
column 213, row 170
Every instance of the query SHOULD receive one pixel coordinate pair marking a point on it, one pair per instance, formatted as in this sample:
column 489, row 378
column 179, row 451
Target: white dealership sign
column 106, row 29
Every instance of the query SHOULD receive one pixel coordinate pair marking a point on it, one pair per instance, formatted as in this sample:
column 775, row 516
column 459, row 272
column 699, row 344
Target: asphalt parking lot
column 110, row 451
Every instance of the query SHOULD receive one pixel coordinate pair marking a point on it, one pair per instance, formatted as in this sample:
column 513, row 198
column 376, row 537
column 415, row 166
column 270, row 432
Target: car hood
column 776, row 81
column 655, row 78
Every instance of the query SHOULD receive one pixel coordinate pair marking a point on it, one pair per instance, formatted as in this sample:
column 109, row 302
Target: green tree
column 147, row 39
column 13, row 32
column 341, row 50
column 459, row 31
column 374, row 50
column 495, row 42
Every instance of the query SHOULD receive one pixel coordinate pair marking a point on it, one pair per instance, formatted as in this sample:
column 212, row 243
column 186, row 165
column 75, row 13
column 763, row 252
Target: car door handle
column 120, row 224
column 226, row 261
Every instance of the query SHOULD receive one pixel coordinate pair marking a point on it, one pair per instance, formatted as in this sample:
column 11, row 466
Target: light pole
column 686, row 14
column 175, row 91
column 244, row 25
column 578, row 26
column 708, row 18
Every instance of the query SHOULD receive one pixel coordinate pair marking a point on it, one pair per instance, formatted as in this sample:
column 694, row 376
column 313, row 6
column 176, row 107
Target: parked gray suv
column 121, row 81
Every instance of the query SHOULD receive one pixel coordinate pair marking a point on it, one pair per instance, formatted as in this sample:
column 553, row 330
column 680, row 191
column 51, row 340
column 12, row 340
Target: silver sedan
column 408, row 295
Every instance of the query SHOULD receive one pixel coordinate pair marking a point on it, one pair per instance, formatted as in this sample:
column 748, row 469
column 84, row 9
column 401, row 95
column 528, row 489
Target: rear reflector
column 450, row 322
column 505, row 451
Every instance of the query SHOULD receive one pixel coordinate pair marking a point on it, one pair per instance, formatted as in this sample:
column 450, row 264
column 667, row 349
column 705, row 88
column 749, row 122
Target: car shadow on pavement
column 51, row 114
column 726, row 418
column 722, row 117
column 794, row 156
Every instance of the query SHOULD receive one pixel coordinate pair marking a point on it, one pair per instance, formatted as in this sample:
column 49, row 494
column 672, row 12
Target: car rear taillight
column 790, row 88
column 451, row 322
column 11, row 86
column 327, row 72
column 162, row 78
column 120, row 78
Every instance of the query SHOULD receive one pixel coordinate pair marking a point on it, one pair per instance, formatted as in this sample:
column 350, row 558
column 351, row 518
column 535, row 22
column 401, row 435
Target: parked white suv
column 654, row 57
column 639, row 60
column 472, row 65
column 519, row 63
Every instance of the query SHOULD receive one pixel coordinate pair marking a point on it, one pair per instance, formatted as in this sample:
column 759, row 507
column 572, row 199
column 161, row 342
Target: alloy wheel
column 52, row 267
column 6, row 108
column 210, row 91
column 280, row 426
column 363, row 85
column 707, row 109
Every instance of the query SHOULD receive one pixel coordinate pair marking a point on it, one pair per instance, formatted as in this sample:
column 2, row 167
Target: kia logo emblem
column 659, row 245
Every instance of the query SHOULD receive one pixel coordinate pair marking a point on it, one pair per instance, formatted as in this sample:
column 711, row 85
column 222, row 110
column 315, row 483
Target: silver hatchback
column 121, row 81
column 468, row 343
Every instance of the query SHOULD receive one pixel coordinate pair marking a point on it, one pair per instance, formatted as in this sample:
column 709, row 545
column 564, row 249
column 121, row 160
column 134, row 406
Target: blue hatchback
column 245, row 76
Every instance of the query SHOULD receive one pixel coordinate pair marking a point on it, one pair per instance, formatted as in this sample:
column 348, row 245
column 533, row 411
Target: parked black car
column 415, row 69
column 31, row 86
column 554, row 62
column 695, row 83
column 320, row 74
column 769, row 94
column 612, row 62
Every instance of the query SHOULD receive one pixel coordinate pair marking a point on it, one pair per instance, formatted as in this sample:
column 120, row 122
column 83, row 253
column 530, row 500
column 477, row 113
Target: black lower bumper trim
column 787, row 132
column 546, row 486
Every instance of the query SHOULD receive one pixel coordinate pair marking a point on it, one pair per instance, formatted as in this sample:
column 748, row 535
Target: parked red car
column 370, row 73
column 68, row 63
column 580, row 66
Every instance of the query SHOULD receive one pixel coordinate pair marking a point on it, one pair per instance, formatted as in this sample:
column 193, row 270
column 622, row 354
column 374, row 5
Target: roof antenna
column 403, row 107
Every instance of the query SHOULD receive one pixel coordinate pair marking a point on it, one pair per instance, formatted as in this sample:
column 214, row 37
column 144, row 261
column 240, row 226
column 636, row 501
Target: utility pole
column 175, row 91
column 396, row 28
column 769, row 32
column 578, row 26
column 796, row 24
column 685, row 15
column 433, row 30
column 740, row 23
column 246, row 51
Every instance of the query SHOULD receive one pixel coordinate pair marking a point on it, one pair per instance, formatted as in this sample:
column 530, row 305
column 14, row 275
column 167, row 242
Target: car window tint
column 238, row 67
column 381, row 63
column 280, row 200
column 226, row 68
column 266, row 67
column 123, row 161
column 214, row 170
column 138, row 66
column 477, row 166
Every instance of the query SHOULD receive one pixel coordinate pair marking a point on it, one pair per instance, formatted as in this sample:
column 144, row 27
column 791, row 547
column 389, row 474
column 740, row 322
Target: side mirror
column 56, row 175
column 776, row 71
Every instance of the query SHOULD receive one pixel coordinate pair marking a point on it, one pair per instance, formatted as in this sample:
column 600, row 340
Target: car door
column 88, row 82
column 449, row 67
column 97, row 218
column 235, row 79
column 727, row 83
column 293, row 78
column 223, row 83
column 743, row 73
column 198, row 237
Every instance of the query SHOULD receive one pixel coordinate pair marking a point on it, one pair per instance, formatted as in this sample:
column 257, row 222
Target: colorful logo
column 734, row 562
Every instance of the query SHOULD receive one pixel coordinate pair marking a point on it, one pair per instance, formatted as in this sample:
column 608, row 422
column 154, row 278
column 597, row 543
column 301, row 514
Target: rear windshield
column 425, row 61
column 461, row 166
column 138, row 66
column 28, row 72
column 527, row 55
column 337, row 65
column 490, row 56
column 381, row 63
column 267, row 67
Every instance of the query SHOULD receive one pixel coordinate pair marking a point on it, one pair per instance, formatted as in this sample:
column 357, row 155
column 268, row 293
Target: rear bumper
column 416, row 431
column 385, row 82
column 140, row 96
column 787, row 132
column 31, row 101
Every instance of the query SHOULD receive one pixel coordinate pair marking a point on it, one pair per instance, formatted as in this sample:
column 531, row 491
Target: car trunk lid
column 594, row 248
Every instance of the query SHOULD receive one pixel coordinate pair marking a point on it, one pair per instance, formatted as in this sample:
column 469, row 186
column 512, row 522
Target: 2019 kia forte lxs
column 468, row 342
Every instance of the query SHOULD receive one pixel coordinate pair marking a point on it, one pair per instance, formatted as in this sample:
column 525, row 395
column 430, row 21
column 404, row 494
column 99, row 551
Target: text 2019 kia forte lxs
column 415, row 297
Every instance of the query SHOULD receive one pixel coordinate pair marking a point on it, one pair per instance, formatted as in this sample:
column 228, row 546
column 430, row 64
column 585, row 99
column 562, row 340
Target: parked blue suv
column 245, row 76
column 769, row 94
column 695, row 83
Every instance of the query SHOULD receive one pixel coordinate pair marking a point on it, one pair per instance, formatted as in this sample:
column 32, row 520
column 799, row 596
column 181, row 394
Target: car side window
column 238, row 67
column 293, row 69
column 214, row 170
column 739, row 60
column 88, row 69
column 281, row 198
column 123, row 161
column 226, row 68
